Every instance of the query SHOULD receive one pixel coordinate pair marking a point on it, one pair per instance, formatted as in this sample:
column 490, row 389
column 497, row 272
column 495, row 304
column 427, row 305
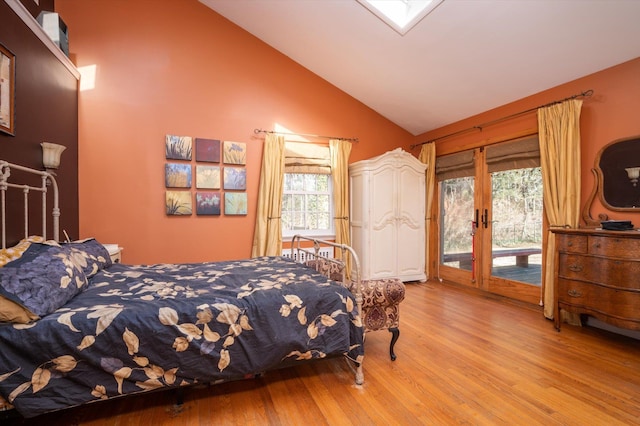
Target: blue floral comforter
column 140, row 328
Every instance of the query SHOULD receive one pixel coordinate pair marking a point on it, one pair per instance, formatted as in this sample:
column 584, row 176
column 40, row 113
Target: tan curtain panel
column 516, row 154
column 306, row 157
column 455, row 165
column 428, row 157
column 559, row 133
column 340, row 151
column 267, row 237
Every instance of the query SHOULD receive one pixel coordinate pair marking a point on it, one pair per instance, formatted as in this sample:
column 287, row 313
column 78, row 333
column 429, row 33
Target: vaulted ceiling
column 465, row 57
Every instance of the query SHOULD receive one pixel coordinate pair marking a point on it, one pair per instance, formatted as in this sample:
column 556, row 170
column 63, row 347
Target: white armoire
column 388, row 216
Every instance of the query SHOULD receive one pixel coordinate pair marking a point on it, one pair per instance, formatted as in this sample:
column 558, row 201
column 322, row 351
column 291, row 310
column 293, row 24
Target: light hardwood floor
column 463, row 358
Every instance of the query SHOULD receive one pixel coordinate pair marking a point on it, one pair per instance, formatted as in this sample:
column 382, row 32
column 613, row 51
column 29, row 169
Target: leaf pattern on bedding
column 144, row 327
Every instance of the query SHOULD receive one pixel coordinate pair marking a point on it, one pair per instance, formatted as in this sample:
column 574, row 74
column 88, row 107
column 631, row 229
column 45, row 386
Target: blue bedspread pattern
column 139, row 328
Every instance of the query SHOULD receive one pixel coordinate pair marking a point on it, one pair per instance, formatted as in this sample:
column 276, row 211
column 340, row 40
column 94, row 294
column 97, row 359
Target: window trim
column 330, row 233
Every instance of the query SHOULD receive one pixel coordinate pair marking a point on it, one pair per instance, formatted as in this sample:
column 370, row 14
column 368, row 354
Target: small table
column 115, row 252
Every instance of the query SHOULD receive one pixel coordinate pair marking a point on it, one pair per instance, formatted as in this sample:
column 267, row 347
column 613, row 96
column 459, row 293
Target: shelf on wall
column 32, row 23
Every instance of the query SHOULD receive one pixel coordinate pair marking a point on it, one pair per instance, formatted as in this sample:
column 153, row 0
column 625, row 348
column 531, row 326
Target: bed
column 77, row 329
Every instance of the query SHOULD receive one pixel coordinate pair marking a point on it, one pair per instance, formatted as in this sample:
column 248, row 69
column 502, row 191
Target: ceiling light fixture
column 401, row 15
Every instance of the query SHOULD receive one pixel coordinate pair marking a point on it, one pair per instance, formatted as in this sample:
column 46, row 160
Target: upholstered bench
column 381, row 307
column 380, row 300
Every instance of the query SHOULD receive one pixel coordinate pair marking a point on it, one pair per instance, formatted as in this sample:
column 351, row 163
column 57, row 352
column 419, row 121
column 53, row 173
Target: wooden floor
column 462, row 359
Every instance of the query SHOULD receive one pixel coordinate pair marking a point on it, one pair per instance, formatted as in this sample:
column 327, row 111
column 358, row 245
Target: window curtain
column 428, row 157
column 340, row 151
column 267, row 237
column 559, row 135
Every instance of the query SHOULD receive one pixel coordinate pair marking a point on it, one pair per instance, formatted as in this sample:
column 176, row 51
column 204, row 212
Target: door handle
column 475, row 222
column 485, row 218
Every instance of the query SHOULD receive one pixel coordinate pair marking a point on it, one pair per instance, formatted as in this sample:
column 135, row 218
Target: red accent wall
column 180, row 68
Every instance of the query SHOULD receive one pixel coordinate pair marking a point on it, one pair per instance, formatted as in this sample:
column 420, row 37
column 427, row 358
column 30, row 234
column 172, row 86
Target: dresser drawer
column 580, row 297
column 572, row 243
column 613, row 273
column 598, row 274
column 627, row 248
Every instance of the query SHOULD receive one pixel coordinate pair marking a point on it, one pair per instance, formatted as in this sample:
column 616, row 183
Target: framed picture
column 208, row 150
column 208, row 203
column 178, row 203
column 177, row 175
column 235, row 178
column 235, row 203
column 178, row 147
column 7, row 90
column 235, row 152
column 207, row 177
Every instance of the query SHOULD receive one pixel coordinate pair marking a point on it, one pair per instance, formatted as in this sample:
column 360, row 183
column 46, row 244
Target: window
column 307, row 205
column 401, row 15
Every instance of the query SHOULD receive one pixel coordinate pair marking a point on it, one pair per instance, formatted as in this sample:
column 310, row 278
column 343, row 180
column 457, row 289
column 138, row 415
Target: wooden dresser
column 598, row 274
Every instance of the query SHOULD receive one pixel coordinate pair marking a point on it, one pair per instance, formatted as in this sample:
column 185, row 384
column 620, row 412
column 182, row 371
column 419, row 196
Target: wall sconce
column 51, row 153
column 634, row 174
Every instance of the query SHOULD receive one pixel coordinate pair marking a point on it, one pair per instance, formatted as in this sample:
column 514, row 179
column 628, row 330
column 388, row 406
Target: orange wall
column 612, row 113
column 177, row 67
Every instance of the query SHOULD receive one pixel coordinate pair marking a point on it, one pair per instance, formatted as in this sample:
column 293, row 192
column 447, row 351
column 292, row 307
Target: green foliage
column 516, row 210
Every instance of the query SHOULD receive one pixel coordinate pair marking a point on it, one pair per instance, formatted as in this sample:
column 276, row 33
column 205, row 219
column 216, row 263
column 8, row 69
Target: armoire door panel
column 387, row 215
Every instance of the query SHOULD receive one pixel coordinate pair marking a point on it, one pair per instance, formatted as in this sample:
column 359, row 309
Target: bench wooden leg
column 522, row 261
column 395, row 333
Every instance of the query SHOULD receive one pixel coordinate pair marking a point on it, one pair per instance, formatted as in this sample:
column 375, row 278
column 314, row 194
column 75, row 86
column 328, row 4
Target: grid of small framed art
column 220, row 174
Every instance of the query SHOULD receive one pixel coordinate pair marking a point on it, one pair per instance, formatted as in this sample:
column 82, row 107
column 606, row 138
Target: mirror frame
column 610, row 175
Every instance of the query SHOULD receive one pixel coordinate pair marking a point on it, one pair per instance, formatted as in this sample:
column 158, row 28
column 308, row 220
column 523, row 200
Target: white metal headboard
column 5, row 174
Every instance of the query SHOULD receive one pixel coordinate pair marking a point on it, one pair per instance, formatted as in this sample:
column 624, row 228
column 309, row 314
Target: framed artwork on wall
column 178, row 147
column 178, row 203
column 207, row 177
column 177, row 175
column 7, row 90
column 208, row 150
column 208, row 203
column 235, row 178
column 235, row 203
column 235, row 152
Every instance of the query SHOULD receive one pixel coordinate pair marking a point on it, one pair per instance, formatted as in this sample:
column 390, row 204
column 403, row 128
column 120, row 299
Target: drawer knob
column 574, row 293
column 575, row 268
column 570, row 244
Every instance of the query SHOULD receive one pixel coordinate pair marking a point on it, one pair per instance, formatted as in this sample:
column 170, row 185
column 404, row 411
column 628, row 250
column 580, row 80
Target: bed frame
column 350, row 279
column 48, row 181
column 311, row 247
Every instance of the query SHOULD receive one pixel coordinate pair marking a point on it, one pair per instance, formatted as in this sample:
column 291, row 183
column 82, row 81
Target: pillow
column 13, row 253
column 90, row 254
column 11, row 311
column 43, row 279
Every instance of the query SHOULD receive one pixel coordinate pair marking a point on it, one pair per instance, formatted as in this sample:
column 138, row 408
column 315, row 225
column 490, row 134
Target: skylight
column 401, row 15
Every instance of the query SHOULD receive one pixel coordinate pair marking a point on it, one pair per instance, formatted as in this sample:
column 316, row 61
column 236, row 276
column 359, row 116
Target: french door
column 491, row 219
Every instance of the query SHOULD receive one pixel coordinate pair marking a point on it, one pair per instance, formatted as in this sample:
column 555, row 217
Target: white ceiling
column 466, row 57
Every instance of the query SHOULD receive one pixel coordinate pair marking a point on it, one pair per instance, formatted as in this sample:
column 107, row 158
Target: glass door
column 457, row 245
column 491, row 221
column 515, row 234
column 459, row 218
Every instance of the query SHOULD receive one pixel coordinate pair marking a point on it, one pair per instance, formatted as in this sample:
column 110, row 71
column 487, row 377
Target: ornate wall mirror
column 617, row 177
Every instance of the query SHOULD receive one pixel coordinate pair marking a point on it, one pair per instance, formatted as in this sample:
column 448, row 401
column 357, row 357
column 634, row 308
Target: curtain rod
column 585, row 94
column 256, row 131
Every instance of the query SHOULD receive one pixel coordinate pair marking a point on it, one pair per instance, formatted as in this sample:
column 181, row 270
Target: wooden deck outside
column 531, row 274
